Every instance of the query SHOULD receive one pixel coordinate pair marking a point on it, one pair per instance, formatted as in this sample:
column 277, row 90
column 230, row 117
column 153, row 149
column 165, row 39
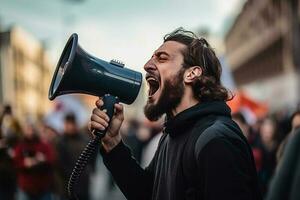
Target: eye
column 163, row 58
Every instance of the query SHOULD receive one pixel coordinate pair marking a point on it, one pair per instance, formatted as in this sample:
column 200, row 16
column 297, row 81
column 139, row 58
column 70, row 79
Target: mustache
column 151, row 74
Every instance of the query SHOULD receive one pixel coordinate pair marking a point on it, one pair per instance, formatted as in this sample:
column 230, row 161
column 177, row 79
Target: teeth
column 151, row 79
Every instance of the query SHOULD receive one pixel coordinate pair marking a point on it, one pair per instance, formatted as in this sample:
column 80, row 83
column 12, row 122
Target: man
column 202, row 153
column 69, row 147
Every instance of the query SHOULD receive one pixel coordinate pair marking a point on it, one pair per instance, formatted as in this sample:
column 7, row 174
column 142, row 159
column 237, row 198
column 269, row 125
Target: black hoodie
column 223, row 168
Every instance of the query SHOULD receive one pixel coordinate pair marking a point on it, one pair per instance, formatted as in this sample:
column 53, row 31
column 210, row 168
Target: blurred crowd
column 36, row 160
column 268, row 137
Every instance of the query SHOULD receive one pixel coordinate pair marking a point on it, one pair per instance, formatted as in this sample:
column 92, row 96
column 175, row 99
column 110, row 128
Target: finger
column 106, row 139
column 90, row 129
column 99, row 120
column 99, row 102
column 100, row 113
column 119, row 107
column 95, row 125
column 119, row 111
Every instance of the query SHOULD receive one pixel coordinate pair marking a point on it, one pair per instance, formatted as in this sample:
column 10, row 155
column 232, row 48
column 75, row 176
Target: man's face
column 70, row 127
column 165, row 79
column 28, row 131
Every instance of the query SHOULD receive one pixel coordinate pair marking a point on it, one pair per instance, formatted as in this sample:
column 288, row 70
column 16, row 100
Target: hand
column 40, row 157
column 29, row 162
column 100, row 120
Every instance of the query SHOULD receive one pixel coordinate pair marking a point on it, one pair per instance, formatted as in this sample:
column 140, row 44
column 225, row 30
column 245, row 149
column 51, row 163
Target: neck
column 188, row 100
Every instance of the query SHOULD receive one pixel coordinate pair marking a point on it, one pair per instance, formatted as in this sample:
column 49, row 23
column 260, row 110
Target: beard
column 169, row 99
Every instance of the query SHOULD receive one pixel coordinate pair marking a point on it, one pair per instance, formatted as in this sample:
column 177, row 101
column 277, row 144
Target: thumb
column 116, row 120
column 119, row 112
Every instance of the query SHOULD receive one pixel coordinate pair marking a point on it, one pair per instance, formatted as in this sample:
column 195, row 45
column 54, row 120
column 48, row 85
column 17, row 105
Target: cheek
column 170, row 71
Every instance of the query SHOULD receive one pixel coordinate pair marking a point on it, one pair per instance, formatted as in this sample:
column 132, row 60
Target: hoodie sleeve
column 134, row 181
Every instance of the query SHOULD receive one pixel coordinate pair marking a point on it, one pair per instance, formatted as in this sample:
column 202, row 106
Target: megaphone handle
column 108, row 104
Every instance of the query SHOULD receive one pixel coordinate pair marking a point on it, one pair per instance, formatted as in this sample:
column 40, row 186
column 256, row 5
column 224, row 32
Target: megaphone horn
column 79, row 72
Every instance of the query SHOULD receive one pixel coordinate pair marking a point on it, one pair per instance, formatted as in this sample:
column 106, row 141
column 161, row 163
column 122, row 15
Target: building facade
column 262, row 48
column 25, row 74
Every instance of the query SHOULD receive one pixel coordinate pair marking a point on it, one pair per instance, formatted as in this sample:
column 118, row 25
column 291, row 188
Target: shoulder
column 60, row 141
column 295, row 138
column 218, row 146
column 221, row 138
column 220, row 129
column 292, row 147
column 222, row 126
column 162, row 139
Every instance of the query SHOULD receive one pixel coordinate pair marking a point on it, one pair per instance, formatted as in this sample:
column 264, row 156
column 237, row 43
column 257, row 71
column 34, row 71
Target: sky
column 127, row 30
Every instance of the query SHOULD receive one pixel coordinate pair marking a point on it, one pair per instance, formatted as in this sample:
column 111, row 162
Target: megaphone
column 79, row 72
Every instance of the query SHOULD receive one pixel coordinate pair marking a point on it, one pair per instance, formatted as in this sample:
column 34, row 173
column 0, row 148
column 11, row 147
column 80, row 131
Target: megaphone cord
column 108, row 104
column 81, row 163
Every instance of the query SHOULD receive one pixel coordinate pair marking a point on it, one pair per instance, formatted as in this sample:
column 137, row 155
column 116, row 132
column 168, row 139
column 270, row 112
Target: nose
column 149, row 66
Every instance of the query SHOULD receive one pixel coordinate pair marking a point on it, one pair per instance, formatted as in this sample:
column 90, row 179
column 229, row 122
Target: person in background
column 252, row 138
column 245, row 127
column 7, row 170
column 50, row 136
column 286, row 181
column 151, row 146
column 9, row 135
column 69, row 147
column 295, row 120
column 295, row 124
column 10, row 128
column 7, row 174
column 132, row 139
column 34, row 163
column 268, row 145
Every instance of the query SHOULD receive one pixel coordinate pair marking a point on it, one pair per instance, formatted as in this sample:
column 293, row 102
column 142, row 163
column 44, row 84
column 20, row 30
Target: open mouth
column 153, row 85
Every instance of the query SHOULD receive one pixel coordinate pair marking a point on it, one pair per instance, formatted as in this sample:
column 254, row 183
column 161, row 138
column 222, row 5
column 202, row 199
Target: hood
column 187, row 118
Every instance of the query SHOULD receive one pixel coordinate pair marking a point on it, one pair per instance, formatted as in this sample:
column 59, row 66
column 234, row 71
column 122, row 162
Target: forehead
column 171, row 47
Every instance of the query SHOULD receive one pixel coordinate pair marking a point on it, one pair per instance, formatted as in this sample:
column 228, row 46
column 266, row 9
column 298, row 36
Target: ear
column 192, row 73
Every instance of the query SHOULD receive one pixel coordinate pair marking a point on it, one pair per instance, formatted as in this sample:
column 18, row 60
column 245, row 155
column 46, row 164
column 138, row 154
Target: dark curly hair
column 208, row 86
